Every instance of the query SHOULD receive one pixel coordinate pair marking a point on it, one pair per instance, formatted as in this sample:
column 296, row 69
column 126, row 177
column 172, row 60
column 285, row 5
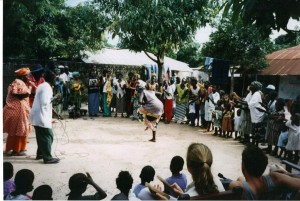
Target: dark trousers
column 44, row 139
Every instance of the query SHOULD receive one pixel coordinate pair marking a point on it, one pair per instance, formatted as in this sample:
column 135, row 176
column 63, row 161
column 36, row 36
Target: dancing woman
column 151, row 109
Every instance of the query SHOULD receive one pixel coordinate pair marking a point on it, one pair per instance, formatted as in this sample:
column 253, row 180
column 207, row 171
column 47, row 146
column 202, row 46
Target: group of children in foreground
column 23, row 183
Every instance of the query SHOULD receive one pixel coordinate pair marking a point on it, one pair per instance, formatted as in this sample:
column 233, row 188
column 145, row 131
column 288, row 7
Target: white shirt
column 192, row 191
column 64, row 77
column 256, row 116
column 171, row 91
column 41, row 112
column 120, row 92
column 105, row 86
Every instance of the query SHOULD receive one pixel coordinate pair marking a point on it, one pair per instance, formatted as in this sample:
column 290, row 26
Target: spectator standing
column 15, row 114
column 41, row 118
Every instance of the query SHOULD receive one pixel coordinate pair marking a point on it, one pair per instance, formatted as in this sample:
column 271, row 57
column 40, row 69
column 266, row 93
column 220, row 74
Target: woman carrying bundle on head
column 151, row 108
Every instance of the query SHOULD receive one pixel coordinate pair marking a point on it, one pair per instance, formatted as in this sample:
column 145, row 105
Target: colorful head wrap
column 22, row 71
column 76, row 74
column 256, row 84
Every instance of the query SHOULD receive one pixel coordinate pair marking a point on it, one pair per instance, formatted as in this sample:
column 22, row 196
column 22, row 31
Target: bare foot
column 152, row 140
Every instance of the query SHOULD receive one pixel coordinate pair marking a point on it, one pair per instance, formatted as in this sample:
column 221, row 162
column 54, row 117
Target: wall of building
column 289, row 87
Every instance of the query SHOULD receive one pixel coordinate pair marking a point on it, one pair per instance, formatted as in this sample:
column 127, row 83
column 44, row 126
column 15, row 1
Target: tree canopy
column 265, row 14
column 156, row 26
column 43, row 29
column 190, row 53
column 241, row 45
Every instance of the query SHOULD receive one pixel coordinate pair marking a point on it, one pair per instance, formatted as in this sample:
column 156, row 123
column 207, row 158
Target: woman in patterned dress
column 16, row 112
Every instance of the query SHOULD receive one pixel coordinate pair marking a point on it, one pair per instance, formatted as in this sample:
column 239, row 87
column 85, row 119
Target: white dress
column 293, row 143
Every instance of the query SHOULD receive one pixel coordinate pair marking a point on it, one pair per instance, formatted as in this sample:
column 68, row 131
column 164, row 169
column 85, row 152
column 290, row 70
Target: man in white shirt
column 41, row 118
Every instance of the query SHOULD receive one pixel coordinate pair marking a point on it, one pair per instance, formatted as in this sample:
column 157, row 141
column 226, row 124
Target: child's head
column 8, row 171
column 219, row 103
column 176, row 165
column 238, row 112
column 226, row 97
column 24, row 180
column 77, row 183
column 124, row 182
column 295, row 119
column 227, row 107
column 43, row 192
column 147, row 174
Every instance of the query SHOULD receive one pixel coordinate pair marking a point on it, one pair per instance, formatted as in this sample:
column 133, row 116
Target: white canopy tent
column 130, row 58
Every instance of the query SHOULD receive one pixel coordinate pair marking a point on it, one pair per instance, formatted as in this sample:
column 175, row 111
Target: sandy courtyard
column 105, row 146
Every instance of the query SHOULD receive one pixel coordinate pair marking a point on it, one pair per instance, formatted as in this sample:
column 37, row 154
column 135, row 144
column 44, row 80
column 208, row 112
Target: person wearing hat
column 36, row 77
column 16, row 112
column 256, row 111
column 41, row 118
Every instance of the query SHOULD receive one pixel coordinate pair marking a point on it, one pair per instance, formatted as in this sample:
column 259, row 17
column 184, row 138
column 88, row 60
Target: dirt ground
column 105, row 146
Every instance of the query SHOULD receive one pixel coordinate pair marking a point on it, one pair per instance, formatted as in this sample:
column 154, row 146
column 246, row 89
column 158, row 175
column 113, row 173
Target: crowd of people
column 199, row 160
column 257, row 118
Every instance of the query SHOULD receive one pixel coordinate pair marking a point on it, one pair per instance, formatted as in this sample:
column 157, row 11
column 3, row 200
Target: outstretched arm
column 102, row 194
column 284, row 180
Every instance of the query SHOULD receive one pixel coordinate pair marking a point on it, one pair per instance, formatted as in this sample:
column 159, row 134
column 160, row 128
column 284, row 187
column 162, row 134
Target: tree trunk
column 232, row 80
column 160, row 64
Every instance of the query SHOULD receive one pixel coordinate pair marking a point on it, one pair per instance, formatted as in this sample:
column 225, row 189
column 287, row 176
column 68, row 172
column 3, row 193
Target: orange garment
column 16, row 143
column 36, row 83
column 16, row 113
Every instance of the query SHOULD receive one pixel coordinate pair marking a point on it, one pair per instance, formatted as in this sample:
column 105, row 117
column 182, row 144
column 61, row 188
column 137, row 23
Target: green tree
column 242, row 45
column 190, row 53
column 265, row 14
column 82, row 28
column 29, row 28
column 286, row 41
column 156, row 26
column 43, row 29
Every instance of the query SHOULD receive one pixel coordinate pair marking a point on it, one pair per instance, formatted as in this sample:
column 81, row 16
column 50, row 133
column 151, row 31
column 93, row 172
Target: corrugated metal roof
column 130, row 58
column 283, row 62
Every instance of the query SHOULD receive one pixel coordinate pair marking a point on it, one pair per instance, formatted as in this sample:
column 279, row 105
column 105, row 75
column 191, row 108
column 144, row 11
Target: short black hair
column 8, row 171
column 49, row 76
column 254, row 161
column 147, row 174
column 124, row 182
column 176, row 165
column 77, row 182
column 43, row 192
column 24, row 179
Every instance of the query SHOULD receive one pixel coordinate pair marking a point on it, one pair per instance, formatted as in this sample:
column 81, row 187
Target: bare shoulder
column 235, row 183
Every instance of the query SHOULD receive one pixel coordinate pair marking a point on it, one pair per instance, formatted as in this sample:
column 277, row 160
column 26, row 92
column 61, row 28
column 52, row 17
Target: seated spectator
column 199, row 160
column 43, row 192
column 176, row 166
column 124, row 184
column 78, row 184
column 147, row 175
column 8, row 184
column 255, row 185
column 23, row 180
